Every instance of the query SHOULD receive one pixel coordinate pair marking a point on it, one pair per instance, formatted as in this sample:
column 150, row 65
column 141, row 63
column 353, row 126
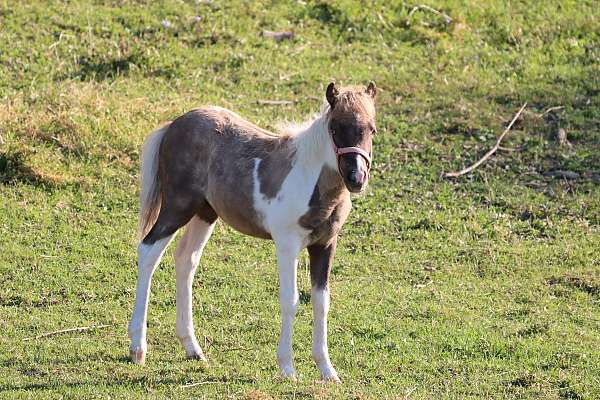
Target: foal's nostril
column 357, row 177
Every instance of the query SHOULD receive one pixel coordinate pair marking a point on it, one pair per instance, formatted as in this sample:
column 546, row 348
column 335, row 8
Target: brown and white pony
column 293, row 189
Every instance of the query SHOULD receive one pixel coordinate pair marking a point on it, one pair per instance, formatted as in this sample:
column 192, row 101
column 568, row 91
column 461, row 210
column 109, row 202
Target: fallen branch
column 278, row 36
column 275, row 102
column 489, row 153
column 385, row 24
column 556, row 108
column 562, row 174
column 235, row 349
column 78, row 329
column 433, row 10
column 190, row 385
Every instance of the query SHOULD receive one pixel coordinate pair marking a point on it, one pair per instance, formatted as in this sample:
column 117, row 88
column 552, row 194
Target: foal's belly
column 242, row 222
column 232, row 201
column 239, row 202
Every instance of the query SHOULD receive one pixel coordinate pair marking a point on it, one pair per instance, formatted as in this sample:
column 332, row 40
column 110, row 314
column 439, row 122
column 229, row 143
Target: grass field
column 485, row 286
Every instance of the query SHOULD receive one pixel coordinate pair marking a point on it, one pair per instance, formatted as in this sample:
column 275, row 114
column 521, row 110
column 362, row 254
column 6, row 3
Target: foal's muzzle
column 356, row 173
column 357, row 178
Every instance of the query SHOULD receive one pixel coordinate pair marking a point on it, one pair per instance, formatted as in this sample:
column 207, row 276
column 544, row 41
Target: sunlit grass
column 487, row 286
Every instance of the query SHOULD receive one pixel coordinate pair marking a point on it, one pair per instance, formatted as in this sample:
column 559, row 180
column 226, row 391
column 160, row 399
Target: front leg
column 321, row 258
column 287, row 260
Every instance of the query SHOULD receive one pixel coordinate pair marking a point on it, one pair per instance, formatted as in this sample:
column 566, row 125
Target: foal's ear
column 371, row 89
column 331, row 93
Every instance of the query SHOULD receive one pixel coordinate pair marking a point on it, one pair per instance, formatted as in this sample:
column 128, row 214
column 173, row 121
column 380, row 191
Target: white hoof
column 330, row 378
column 197, row 356
column 138, row 356
column 287, row 372
column 328, row 373
column 192, row 349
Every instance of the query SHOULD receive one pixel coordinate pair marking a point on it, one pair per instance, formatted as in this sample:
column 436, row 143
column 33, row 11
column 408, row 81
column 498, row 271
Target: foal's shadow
column 78, row 384
column 14, row 169
column 116, row 379
column 304, row 296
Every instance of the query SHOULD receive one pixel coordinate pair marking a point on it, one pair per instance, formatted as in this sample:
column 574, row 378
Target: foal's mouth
column 355, row 188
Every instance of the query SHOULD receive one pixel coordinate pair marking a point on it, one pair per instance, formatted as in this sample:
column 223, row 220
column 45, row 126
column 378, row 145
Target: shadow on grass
column 134, row 382
column 535, row 154
column 92, row 69
column 120, row 378
column 585, row 284
column 578, row 117
column 304, row 296
column 13, row 169
column 123, row 381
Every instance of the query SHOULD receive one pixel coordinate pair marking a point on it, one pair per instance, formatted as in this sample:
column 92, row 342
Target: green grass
column 486, row 286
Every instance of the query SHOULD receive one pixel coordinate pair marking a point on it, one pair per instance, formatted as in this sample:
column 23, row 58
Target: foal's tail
column 150, row 197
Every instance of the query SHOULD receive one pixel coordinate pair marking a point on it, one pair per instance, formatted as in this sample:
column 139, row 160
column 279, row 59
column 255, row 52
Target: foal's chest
column 328, row 207
column 315, row 203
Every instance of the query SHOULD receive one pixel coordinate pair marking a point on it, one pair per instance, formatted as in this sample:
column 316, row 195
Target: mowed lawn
column 483, row 286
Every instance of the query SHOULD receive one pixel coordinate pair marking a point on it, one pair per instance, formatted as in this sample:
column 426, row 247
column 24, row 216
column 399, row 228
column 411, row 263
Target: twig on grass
column 433, row 10
column 555, row 108
column 278, row 36
column 559, row 173
column 78, row 329
column 385, row 24
column 489, row 153
column 275, row 102
column 235, row 349
column 190, row 385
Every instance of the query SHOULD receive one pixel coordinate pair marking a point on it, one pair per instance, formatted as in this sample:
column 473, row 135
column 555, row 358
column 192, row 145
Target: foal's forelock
column 353, row 103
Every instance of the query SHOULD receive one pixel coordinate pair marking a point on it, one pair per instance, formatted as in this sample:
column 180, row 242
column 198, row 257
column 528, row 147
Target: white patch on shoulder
column 281, row 213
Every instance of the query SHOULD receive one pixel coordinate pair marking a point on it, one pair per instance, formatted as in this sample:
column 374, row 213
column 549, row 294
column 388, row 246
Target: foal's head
column 352, row 126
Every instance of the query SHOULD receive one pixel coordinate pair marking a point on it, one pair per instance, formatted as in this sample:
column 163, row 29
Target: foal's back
column 207, row 158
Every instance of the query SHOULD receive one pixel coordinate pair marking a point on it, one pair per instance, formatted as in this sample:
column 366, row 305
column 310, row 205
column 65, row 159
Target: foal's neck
column 313, row 144
column 314, row 151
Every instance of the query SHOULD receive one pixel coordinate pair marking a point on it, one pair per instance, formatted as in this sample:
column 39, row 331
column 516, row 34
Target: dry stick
column 385, row 24
column 275, row 102
column 235, row 349
column 189, row 385
column 278, row 36
column 78, row 329
column 489, row 153
column 433, row 10
column 552, row 109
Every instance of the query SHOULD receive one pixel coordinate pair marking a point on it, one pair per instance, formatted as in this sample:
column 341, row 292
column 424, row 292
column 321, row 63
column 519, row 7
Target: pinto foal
column 294, row 189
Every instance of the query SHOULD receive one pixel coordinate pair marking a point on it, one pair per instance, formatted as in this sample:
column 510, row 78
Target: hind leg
column 150, row 251
column 187, row 257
